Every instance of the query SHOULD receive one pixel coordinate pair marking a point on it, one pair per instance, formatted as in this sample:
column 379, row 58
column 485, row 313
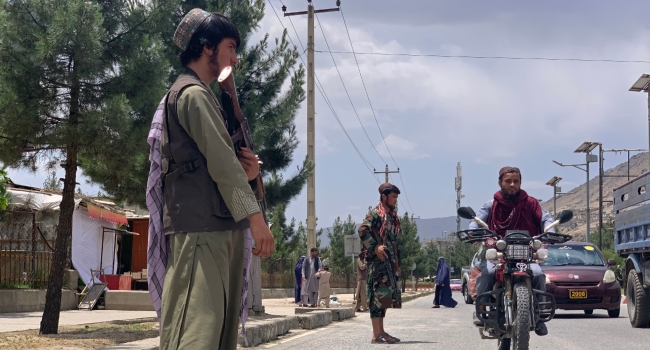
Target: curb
column 264, row 331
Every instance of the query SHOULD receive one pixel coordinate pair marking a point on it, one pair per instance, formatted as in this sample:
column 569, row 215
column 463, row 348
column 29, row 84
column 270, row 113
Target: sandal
column 397, row 340
column 383, row 339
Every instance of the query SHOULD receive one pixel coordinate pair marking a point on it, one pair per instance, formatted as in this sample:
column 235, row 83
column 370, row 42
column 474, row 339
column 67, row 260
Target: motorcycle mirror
column 224, row 74
column 611, row 262
column 565, row 216
column 466, row 213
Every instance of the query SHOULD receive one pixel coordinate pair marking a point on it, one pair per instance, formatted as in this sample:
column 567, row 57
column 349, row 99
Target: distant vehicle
column 455, row 284
column 631, row 224
column 468, row 280
column 580, row 279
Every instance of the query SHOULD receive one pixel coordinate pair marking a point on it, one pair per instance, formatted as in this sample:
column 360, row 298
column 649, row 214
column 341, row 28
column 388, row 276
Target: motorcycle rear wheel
column 521, row 334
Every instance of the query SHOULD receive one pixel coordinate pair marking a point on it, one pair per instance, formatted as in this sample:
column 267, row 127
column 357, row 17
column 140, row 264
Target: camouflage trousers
column 379, row 291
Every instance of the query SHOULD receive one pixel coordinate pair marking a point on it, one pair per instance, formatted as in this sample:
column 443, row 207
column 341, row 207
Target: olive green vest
column 192, row 201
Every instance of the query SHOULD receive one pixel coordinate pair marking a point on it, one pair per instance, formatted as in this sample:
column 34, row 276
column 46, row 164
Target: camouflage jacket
column 370, row 238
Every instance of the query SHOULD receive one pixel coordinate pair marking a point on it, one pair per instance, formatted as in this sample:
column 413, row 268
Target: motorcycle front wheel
column 521, row 334
column 504, row 344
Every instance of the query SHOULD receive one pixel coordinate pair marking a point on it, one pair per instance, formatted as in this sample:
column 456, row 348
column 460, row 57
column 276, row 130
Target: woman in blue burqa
column 298, row 272
column 443, row 289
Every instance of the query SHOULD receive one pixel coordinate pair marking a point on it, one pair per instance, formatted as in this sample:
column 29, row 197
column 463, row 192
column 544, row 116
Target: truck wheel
column 467, row 297
column 638, row 305
column 589, row 312
column 614, row 313
column 521, row 331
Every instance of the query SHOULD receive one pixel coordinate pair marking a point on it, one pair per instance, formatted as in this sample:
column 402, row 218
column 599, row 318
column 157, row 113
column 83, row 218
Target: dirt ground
column 90, row 336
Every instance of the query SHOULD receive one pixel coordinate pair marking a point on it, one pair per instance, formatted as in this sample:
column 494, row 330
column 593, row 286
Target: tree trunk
column 50, row 320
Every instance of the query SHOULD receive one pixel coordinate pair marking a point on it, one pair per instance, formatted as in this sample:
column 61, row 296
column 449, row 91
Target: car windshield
column 574, row 255
column 454, row 281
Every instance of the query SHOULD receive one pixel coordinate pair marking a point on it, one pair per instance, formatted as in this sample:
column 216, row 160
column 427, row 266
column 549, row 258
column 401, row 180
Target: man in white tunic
column 310, row 281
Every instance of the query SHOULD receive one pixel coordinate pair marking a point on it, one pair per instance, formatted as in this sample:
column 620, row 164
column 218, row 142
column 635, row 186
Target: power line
column 323, row 94
column 347, row 93
column 486, row 57
column 371, row 108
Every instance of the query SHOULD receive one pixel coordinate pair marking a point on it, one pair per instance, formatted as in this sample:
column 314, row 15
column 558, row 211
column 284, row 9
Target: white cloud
column 400, row 148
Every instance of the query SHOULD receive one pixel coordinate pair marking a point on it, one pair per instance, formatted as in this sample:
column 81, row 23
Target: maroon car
column 579, row 278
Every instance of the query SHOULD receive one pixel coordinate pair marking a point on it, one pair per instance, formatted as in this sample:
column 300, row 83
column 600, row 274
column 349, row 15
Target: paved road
column 421, row 327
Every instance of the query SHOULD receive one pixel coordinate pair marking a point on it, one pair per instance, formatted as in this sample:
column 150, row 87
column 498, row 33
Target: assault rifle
column 238, row 128
column 388, row 264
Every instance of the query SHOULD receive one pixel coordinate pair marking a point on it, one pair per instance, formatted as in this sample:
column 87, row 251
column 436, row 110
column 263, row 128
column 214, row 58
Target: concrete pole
column 588, row 213
column 311, row 139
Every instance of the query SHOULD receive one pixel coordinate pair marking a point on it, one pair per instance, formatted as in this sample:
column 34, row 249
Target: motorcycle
column 512, row 309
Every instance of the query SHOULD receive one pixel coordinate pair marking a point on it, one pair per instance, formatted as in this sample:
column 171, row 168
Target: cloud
column 399, row 148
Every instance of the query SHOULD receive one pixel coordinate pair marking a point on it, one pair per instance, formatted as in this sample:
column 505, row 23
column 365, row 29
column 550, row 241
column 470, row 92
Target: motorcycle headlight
column 501, row 244
column 537, row 244
column 609, row 277
column 542, row 254
column 491, row 254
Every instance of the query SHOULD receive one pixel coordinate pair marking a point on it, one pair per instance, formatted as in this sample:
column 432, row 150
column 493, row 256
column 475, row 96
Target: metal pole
column 311, row 113
column 649, row 128
column 588, row 214
column 554, row 201
column 600, row 197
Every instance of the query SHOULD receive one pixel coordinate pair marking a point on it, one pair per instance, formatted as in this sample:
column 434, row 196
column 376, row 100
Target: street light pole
column 643, row 85
column 553, row 182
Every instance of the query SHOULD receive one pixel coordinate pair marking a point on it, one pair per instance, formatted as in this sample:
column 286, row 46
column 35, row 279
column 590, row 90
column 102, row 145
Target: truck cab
column 632, row 241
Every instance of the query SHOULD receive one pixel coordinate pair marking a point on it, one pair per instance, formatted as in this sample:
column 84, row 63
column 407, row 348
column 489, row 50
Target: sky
column 485, row 113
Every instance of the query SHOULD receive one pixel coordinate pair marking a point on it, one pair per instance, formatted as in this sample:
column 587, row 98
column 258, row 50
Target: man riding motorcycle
column 512, row 209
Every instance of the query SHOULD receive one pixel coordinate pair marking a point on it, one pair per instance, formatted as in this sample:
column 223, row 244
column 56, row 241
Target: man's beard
column 214, row 62
column 509, row 197
column 391, row 207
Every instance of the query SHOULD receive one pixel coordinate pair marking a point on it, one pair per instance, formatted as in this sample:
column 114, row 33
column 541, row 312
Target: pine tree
column 271, row 111
column 5, row 197
column 76, row 80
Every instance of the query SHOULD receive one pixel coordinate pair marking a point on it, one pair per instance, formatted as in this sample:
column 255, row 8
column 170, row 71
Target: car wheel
column 614, row 313
column 467, row 297
column 589, row 312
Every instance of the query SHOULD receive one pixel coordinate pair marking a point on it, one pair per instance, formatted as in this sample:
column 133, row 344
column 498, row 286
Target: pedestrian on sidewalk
column 443, row 289
column 379, row 232
column 310, row 266
column 207, row 203
column 298, row 285
column 362, row 283
column 324, row 289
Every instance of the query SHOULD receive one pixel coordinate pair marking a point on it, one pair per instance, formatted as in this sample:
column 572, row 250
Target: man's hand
column 381, row 254
column 249, row 162
column 262, row 236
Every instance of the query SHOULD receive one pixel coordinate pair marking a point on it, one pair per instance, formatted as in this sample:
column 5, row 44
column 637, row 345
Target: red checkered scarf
column 393, row 214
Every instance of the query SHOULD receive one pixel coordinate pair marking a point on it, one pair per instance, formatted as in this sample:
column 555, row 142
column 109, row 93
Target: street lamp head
column 641, row 84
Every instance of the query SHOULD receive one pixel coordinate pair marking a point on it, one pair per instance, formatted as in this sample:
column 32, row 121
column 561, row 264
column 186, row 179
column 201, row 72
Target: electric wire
column 348, row 94
column 324, row 95
column 567, row 59
column 371, row 108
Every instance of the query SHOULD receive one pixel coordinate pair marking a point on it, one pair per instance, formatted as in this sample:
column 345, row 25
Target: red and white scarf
column 397, row 227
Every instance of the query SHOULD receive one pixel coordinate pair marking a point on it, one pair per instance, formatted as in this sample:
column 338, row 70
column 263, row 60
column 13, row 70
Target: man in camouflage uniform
column 379, row 233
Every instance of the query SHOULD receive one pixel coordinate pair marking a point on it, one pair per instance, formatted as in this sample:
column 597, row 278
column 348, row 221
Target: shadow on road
column 415, row 342
column 583, row 316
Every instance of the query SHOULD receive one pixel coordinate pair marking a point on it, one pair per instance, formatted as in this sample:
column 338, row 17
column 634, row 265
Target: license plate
column 578, row 294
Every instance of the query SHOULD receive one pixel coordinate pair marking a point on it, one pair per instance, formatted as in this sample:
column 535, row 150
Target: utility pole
column 311, row 114
column 386, row 172
column 459, row 193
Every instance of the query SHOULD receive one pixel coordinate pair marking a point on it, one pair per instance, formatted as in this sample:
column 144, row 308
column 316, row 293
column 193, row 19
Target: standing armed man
column 379, row 232
column 208, row 202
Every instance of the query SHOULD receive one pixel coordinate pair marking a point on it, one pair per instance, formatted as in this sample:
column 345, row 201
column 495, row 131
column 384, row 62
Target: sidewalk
column 23, row 321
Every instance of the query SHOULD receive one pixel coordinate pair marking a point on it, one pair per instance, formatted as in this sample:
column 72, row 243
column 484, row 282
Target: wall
column 28, row 300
